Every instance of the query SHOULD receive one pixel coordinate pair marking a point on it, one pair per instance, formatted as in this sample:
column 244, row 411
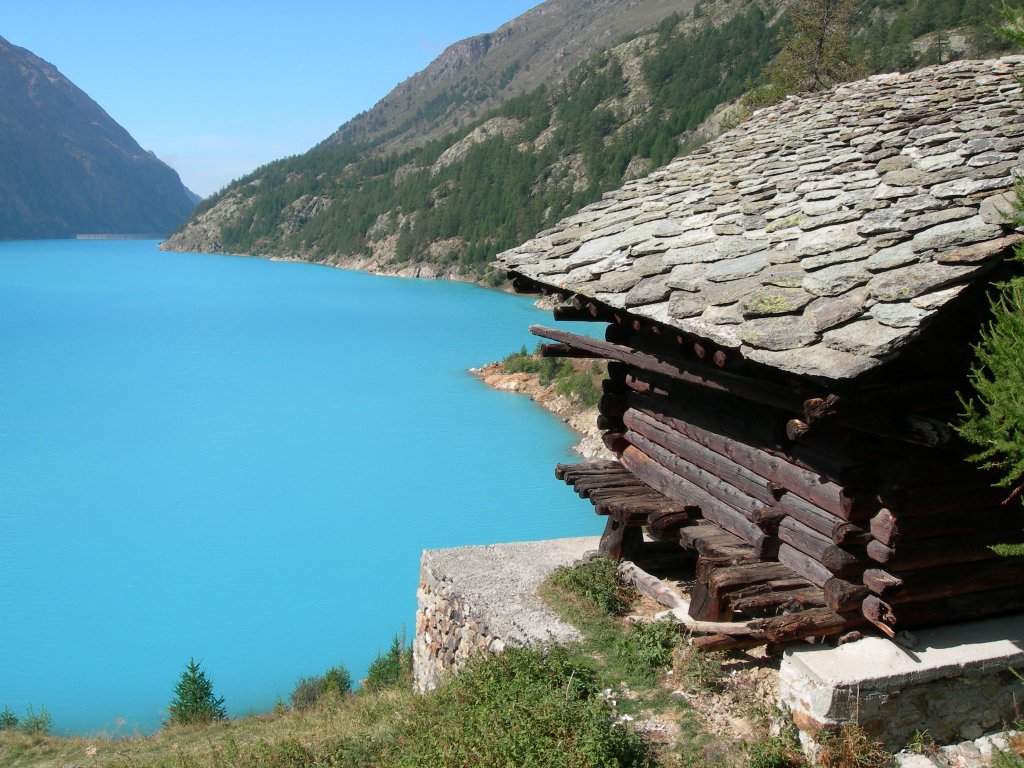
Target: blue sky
column 217, row 88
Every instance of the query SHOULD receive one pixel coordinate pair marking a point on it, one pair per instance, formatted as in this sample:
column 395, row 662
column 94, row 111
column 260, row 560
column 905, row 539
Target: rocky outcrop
column 581, row 420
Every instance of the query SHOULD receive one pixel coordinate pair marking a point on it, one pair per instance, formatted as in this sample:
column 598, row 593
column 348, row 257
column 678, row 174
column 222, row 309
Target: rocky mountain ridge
column 68, row 168
column 475, row 75
column 391, row 194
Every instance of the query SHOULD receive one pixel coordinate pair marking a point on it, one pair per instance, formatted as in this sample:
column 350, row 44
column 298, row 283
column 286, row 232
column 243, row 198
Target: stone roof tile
column 819, row 236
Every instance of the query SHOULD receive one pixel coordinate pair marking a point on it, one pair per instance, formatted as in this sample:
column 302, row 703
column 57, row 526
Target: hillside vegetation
column 446, row 205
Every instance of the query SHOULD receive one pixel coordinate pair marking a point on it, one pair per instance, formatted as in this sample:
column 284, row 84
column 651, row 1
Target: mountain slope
column 394, row 196
column 477, row 74
column 68, row 168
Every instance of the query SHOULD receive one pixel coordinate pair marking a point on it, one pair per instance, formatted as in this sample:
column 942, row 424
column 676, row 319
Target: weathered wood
column 842, row 596
column 564, row 350
column 621, row 541
column 925, row 553
column 659, row 431
column 664, row 525
column 892, row 617
column 714, row 544
column 945, row 581
column 749, row 449
column 805, row 565
column 691, row 471
column 796, row 429
column 890, row 528
column 815, row 622
column 837, row 560
column 612, row 406
column 685, row 492
column 722, row 580
column 569, row 313
column 768, row 518
column 762, row 599
column 615, row 442
column 595, row 465
column 937, row 499
column 764, row 393
column 651, row 586
column 703, row 607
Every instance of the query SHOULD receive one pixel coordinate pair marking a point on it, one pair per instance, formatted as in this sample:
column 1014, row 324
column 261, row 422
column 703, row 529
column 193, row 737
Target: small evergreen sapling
column 194, row 701
column 993, row 418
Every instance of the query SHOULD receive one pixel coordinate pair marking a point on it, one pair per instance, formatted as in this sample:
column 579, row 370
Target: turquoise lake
column 241, row 460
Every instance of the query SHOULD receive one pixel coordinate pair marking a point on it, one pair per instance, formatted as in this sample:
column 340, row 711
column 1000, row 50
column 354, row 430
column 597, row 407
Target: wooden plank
column 839, row 459
column 837, row 560
column 762, row 599
column 621, row 541
column 723, row 580
column 685, row 492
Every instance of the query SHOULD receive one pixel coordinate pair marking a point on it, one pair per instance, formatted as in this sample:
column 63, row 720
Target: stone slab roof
column 820, row 235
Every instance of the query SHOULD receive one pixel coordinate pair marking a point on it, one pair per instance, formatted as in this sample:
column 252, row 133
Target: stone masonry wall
column 473, row 599
column 447, row 631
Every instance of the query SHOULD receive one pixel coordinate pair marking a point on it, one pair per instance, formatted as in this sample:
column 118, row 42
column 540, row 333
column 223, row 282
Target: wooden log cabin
column 789, row 315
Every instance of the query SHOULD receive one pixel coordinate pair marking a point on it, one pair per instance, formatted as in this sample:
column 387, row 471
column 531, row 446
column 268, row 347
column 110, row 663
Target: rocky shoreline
column 581, row 420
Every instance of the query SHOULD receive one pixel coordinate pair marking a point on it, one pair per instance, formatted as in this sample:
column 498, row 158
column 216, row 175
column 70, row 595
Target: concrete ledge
column 955, row 684
column 484, row 598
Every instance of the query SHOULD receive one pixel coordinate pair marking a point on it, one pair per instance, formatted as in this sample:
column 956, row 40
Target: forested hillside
column 454, row 201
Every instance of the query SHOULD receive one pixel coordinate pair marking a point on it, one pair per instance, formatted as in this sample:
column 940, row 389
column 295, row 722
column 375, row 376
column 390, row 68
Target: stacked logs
column 933, row 547
column 835, row 506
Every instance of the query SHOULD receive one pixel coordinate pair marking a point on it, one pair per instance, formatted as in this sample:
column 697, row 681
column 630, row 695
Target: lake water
column 241, row 460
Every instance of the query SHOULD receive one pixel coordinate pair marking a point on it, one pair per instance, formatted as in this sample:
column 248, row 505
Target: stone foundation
column 956, row 683
column 473, row 599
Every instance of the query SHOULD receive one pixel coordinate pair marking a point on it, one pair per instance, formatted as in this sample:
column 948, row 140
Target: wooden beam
column 926, row 553
column 837, row 560
column 945, row 581
column 891, row 529
column 891, row 617
column 816, row 622
column 685, row 492
column 761, row 392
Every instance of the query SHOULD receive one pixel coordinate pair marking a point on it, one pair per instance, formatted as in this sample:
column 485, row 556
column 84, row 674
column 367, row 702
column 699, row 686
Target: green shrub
column 8, row 720
column 337, row 679
column 647, row 647
column 36, row 722
column 306, row 693
column 194, row 701
column 391, row 669
column 523, row 707
column 597, row 581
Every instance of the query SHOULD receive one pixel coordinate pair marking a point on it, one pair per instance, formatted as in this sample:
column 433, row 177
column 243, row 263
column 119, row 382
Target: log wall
column 860, row 496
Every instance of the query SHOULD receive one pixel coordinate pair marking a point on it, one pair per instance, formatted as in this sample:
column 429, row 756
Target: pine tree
column 816, row 52
column 194, row 701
